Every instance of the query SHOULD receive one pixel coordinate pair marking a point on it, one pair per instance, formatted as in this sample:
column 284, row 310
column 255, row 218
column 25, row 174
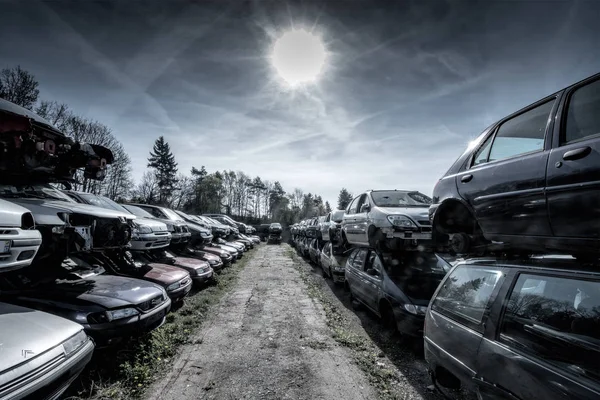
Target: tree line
column 251, row 199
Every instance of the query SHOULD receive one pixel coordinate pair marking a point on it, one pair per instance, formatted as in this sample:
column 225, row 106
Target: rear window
column 557, row 319
column 466, row 292
column 583, row 114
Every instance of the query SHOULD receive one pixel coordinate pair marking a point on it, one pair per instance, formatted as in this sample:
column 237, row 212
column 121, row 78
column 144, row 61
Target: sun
column 298, row 57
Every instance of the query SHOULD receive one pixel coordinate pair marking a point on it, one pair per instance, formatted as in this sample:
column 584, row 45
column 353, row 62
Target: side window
column 374, row 262
column 482, row 154
column 583, row 113
column 522, row 134
column 359, row 260
column 466, row 293
column 557, row 319
column 352, row 206
column 361, row 202
column 327, row 248
column 350, row 259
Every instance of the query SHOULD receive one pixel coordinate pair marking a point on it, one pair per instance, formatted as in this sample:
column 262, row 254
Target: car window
column 466, row 292
column 557, row 319
column 583, row 113
column 327, row 248
column 154, row 211
column 359, row 259
column 374, row 262
column 522, row 134
column 138, row 211
column 482, row 154
column 395, row 198
column 352, row 207
column 361, row 202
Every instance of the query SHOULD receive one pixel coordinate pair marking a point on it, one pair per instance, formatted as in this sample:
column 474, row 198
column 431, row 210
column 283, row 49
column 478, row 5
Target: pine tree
column 163, row 161
column 344, row 199
column 327, row 207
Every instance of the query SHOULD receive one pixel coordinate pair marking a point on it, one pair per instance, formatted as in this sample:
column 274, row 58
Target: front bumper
column 113, row 332
column 409, row 324
column 148, row 241
column 22, row 246
column 398, row 233
column 180, row 237
column 55, row 381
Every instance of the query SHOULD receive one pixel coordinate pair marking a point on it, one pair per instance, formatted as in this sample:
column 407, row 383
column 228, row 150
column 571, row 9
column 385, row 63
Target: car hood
column 193, row 263
column 105, row 290
column 11, row 213
column 26, row 329
column 228, row 248
column 216, row 250
column 164, row 274
column 45, row 211
column 197, row 228
column 418, row 213
column 155, row 225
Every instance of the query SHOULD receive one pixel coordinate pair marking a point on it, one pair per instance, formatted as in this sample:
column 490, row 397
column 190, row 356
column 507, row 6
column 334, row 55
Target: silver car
column 19, row 240
column 397, row 219
column 41, row 353
column 332, row 225
column 333, row 265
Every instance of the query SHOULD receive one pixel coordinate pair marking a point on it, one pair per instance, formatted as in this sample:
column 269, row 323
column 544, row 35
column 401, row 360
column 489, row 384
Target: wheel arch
column 458, row 209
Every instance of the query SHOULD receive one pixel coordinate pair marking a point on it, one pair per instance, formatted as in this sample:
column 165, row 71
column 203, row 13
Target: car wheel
column 387, row 316
column 460, row 243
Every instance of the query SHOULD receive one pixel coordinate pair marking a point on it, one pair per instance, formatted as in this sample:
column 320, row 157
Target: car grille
column 177, row 229
column 152, row 303
column 184, row 228
column 31, row 376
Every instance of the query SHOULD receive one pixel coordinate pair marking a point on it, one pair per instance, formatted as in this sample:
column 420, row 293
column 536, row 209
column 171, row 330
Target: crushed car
column 275, row 231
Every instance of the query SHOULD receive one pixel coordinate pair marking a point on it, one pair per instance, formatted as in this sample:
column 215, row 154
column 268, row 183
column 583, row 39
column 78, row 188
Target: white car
column 19, row 240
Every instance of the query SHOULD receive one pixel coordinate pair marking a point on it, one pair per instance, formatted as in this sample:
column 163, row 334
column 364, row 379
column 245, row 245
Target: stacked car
column 87, row 271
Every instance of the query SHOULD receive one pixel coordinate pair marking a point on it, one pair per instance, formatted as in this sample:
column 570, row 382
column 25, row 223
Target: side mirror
column 372, row 272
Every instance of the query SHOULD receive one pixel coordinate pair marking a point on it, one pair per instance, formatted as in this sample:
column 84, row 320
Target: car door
column 326, row 257
column 355, row 274
column 573, row 180
column 348, row 223
column 458, row 315
column 372, row 283
column 545, row 345
column 504, row 180
column 325, row 228
column 361, row 219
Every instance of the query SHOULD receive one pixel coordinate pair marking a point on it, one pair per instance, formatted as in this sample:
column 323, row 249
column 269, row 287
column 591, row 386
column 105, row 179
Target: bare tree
column 19, row 87
column 147, row 190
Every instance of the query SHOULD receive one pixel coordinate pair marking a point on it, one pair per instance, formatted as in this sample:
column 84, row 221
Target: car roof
column 558, row 263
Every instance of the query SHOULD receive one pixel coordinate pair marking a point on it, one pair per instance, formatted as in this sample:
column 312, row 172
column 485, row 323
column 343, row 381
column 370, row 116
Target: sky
column 405, row 86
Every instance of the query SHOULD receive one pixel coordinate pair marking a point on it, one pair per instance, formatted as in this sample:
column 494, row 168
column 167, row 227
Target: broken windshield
column 400, row 199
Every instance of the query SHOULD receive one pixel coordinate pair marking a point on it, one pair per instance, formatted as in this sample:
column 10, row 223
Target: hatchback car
column 19, row 240
column 333, row 265
column 526, row 329
column 529, row 181
column 392, row 219
column 396, row 287
column 41, row 353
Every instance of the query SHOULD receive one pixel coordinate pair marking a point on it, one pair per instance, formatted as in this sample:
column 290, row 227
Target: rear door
column 349, row 221
column 459, row 312
column 573, row 185
column 547, row 342
column 504, row 181
column 361, row 219
column 355, row 273
column 373, row 282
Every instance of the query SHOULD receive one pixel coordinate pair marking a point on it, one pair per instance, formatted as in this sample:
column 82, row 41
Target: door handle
column 466, row 178
column 577, row 153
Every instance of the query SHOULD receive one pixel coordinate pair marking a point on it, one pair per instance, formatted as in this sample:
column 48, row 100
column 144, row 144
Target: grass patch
column 125, row 371
column 365, row 354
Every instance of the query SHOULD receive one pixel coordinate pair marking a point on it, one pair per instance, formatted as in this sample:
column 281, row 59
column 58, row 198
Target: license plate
column 5, row 246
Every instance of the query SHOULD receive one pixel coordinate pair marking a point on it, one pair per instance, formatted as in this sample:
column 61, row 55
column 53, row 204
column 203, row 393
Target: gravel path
column 267, row 340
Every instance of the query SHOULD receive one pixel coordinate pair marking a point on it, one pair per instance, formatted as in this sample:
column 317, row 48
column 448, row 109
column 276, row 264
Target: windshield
column 171, row 214
column 135, row 210
column 400, row 199
column 418, row 274
column 39, row 191
column 101, row 201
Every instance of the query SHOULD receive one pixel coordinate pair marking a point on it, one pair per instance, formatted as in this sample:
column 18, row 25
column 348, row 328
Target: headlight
column 401, row 221
column 74, row 343
column 212, row 262
column 144, row 229
column 122, row 313
column 173, row 286
column 417, row 310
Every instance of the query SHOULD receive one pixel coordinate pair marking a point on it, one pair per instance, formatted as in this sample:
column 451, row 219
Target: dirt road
column 268, row 339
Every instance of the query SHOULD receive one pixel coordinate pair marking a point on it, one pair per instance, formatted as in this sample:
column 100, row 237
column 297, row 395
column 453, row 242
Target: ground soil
column 272, row 337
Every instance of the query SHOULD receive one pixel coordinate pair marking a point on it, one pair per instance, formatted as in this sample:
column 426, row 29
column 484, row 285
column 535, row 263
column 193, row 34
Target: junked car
column 218, row 229
column 19, row 240
column 147, row 233
column 224, row 219
column 314, row 251
column 332, row 264
column 529, row 181
column 331, row 227
column 200, row 271
column 312, row 227
column 396, row 287
column 181, row 234
column 41, row 353
column 388, row 219
column 518, row 329
column 68, row 227
column 224, row 255
column 110, row 308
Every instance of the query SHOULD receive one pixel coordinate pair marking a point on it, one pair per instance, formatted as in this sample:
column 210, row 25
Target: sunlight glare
column 298, row 56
